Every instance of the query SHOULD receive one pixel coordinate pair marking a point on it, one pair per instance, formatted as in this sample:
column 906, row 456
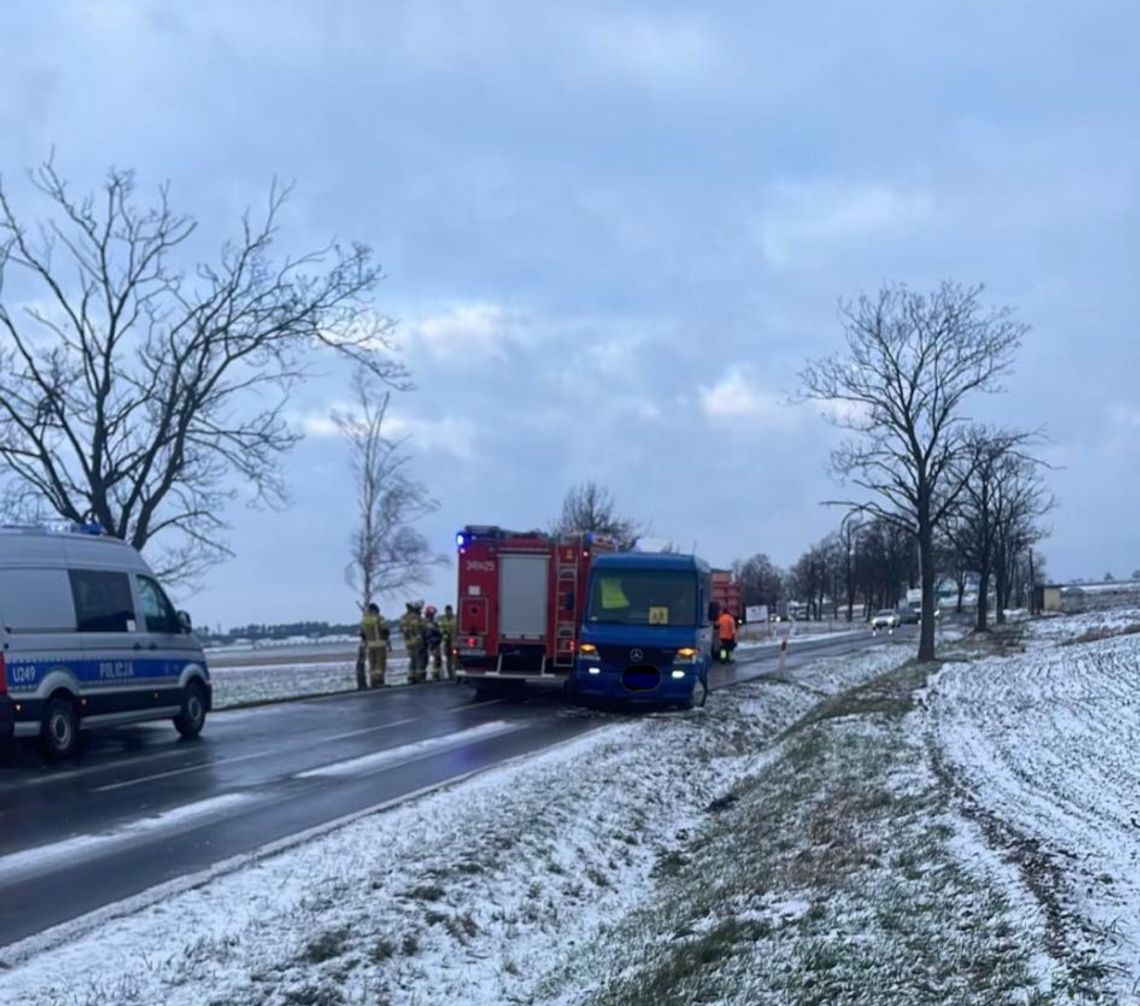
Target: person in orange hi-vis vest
column 726, row 634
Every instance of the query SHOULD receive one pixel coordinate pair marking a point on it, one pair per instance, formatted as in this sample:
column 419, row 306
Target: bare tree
column 810, row 578
column 974, row 524
column 388, row 553
column 911, row 362
column 950, row 560
column 761, row 581
column 145, row 395
column 1020, row 501
column 884, row 557
column 589, row 507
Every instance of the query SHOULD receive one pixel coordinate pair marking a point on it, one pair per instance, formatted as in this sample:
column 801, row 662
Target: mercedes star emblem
column 636, row 656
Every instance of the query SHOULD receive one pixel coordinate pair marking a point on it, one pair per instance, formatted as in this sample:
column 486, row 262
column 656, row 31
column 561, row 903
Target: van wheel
column 190, row 721
column 59, row 734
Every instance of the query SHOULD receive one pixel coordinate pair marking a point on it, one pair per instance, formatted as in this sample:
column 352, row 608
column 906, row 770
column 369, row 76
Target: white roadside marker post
column 784, row 632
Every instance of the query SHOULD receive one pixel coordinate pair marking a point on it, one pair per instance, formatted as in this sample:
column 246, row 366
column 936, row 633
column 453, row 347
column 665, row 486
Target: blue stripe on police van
column 26, row 675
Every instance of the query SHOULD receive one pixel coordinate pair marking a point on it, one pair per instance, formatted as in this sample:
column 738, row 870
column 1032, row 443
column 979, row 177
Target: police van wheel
column 190, row 721
column 59, row 733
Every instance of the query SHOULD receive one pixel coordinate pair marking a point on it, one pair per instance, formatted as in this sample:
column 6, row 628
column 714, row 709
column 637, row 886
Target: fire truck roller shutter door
column 524, row 582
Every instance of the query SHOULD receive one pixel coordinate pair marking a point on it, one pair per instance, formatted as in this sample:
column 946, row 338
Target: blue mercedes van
column 646, row 632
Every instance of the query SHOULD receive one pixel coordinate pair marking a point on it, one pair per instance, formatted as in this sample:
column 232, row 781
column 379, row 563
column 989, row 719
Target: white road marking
column 410, row 752
column 72, row 850
column 199, row 767
column 203, row 766
column 75, row 773
column 370, row 730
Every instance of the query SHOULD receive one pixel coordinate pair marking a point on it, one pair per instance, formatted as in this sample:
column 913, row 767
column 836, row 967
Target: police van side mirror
column 184, row 622
column 714, row 611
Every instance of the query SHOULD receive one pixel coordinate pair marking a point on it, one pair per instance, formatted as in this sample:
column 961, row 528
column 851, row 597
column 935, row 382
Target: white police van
column 90, row 640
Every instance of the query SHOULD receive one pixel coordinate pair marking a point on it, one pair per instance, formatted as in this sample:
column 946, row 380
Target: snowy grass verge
column 836, row 875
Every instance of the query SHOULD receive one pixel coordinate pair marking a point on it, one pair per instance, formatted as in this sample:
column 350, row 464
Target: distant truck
column 520, row 604
column 727, row 593
column 647, row 631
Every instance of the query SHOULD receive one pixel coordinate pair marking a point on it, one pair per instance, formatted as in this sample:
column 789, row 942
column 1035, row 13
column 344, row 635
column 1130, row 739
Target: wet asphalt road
column 139, row 806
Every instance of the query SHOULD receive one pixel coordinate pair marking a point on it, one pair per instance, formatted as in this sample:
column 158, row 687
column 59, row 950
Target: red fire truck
column 521, row 598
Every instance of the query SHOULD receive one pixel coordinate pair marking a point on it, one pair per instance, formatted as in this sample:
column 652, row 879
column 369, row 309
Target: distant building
column 1074, row 598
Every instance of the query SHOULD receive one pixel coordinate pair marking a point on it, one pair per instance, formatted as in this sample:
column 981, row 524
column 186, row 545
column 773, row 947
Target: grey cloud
column 632, row 202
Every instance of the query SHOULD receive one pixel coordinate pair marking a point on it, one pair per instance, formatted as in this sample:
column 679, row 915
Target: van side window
column 157, row 609
column 36, row 600
column 103, row 601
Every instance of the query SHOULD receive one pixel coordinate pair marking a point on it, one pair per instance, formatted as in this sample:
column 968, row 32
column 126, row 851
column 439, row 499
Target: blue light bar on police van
column 72, row 527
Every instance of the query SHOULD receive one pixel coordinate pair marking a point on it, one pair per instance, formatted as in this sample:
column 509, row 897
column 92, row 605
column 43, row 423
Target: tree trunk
column 1000, row 590
column 961, row 595
column 982, row 624
column 926, row 572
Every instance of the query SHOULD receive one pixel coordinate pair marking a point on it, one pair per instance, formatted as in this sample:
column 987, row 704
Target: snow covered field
column 1042, row 748
column 234, row 686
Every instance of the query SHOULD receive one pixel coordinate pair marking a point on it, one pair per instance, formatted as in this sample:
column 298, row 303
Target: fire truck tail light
column 472, row 641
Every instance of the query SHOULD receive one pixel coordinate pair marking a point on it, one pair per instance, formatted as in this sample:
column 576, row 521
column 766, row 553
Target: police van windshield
column 643, row 597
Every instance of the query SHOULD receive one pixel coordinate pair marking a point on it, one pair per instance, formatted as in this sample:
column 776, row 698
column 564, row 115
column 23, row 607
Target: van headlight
column 685, row 655
column 588, row 652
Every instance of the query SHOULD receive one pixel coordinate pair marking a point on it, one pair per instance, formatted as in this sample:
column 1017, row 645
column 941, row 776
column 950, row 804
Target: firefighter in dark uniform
column 433, row 640
column 448, row 626
column 411, row 626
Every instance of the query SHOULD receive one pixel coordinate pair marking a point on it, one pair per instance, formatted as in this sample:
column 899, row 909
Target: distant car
column 910, row 616
column 887, row 619
column 918, row 614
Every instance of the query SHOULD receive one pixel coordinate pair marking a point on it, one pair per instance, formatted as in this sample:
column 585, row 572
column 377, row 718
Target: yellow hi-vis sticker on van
column 612, row 594
column 658, row 616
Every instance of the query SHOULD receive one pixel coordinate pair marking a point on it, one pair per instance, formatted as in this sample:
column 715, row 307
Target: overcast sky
column 613, row 232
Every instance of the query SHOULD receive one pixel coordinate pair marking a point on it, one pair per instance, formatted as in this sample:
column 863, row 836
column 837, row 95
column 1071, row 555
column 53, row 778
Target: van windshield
column 642, row 597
